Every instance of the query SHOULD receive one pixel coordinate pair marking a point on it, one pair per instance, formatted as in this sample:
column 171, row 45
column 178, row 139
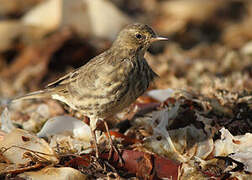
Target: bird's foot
column 113, row 149
column 102, row 165
column 97, row 162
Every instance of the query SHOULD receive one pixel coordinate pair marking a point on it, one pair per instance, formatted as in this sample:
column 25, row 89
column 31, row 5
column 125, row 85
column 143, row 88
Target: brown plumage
column 110, row 81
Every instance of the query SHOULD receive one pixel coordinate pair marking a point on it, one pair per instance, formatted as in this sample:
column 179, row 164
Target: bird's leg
column 112, row 145
column 95, row 143
column 92, row 123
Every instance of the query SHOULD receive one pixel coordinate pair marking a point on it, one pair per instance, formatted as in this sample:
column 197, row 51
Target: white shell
column 160, row 94
column 54, row 173
column 46, row 15
column 66, row 125
column 6, row 123
column 19, row 142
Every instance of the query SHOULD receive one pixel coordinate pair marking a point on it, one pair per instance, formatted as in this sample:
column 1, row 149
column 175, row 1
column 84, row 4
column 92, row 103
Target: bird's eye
column 138, row 36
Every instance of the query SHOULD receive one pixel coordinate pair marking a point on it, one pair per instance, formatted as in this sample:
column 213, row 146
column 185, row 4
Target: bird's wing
column 87, row 71
column 105, row 70
column 95, row 76
column 68, row 78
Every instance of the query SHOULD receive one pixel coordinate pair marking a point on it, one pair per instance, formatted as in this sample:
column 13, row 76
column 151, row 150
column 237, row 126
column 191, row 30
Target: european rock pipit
column 110, row 81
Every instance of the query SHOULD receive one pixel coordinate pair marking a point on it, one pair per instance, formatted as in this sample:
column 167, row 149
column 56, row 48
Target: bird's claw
column 115, row 149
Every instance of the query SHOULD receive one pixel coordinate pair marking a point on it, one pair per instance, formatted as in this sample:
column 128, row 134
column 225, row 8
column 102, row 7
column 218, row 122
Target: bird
column 109, row 82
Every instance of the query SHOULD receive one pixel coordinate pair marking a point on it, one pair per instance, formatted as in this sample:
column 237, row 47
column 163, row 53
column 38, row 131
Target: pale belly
column 117, row 102
column 113, row 103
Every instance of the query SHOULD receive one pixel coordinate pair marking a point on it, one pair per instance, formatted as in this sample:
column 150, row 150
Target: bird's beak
column 158, row 38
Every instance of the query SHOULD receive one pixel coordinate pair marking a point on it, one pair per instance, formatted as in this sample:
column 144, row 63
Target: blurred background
column 210, row 45
column 208, row 57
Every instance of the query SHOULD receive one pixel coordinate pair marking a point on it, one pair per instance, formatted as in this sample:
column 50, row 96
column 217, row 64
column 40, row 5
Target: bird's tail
column 34, row 95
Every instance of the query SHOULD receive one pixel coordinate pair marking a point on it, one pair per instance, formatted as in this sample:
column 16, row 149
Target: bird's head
column 136, row 36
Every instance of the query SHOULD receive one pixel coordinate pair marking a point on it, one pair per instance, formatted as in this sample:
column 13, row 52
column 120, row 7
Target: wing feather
column 68, row 78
